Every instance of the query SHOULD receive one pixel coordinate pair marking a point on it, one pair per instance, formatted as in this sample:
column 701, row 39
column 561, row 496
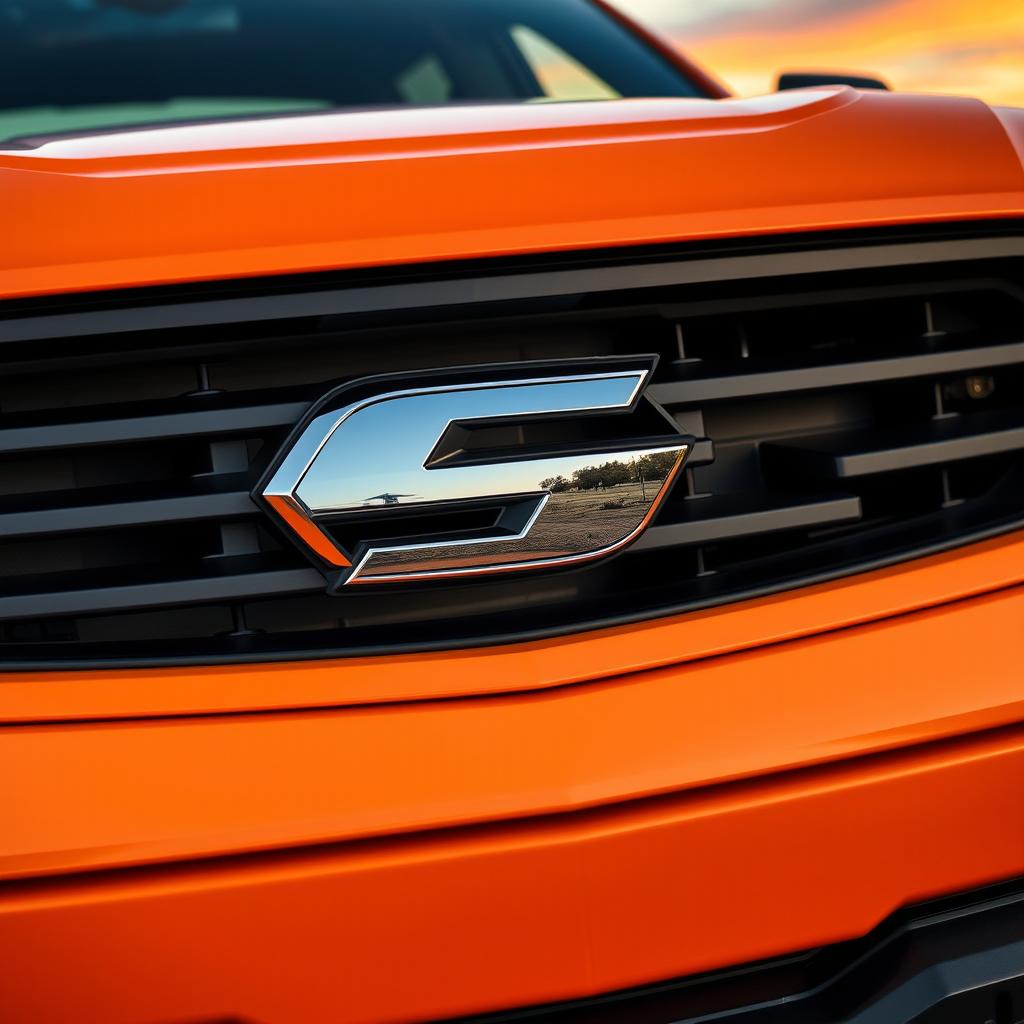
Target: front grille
column 857, row 402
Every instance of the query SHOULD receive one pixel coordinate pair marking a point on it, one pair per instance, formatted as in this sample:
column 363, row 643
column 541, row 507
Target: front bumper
column 426, row 859
column 958, row 960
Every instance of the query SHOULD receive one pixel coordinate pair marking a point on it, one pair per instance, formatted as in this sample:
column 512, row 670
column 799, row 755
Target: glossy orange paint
column 137, row 792
column 545, row 664
column 462, row 921
column 343, row 190
column 293, row 515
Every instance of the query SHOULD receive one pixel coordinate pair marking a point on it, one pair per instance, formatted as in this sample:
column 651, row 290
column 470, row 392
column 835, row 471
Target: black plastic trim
column 224, row 497
column 691, row 265
column 226, row 579
column 703, row 381
column 844, row 455
column 154, row 427
column 717, row 517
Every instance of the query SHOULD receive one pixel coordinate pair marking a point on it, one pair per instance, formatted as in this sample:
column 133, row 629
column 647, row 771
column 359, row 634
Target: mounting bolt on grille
column 202, row 389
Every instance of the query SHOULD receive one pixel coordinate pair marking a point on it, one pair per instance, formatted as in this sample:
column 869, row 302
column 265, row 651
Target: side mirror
column 808, row 79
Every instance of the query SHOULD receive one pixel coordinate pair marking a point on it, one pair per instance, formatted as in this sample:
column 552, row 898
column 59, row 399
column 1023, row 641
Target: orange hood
column 329, row 191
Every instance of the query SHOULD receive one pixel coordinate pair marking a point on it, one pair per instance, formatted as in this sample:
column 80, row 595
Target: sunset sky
column 968, row 47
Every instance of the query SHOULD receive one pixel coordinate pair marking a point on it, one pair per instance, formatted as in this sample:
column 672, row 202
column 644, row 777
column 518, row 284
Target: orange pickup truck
column 491, row 526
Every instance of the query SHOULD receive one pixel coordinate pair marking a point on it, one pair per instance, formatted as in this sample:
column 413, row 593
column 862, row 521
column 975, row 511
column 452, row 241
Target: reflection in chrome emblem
column 393, row 469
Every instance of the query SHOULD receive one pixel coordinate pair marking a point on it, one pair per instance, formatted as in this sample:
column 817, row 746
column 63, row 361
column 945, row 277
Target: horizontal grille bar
column 482, row 285
column 717, row 518
column 107, row 508
column 700, row 381
column 156, row 427
column 86, row 593
column 842, row 456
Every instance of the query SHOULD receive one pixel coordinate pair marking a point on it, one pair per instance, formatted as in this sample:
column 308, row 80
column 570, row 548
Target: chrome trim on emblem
column 382, row 457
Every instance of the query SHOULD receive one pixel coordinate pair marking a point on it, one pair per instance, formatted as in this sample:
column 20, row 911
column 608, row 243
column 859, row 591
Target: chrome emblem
column 384, row 483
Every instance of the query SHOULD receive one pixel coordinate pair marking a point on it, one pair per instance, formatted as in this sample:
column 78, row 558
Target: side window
column 424, row 81
column 560, row 75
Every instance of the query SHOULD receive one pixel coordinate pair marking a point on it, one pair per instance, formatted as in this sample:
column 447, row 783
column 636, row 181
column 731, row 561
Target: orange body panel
column 495, row 851
column 417, row 929
column 134, row 792
column 365, row 189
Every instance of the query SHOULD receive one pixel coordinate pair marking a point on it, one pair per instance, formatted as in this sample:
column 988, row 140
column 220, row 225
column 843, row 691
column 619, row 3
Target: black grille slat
column 852, row 405
column 702, row 381
column 89, row 593
column 477, row 284
column 109, row 508
column 842, row 456
column 722, row 517
column 156, row 427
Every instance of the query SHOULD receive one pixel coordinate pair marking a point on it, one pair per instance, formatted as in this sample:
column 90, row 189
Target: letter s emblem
column 393, row 469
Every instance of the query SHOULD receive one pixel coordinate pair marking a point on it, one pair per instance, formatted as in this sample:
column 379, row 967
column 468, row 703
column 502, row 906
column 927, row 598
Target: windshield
column 80, row 65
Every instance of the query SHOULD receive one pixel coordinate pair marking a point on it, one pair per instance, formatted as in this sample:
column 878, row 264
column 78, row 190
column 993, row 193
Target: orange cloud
column 972, row 47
